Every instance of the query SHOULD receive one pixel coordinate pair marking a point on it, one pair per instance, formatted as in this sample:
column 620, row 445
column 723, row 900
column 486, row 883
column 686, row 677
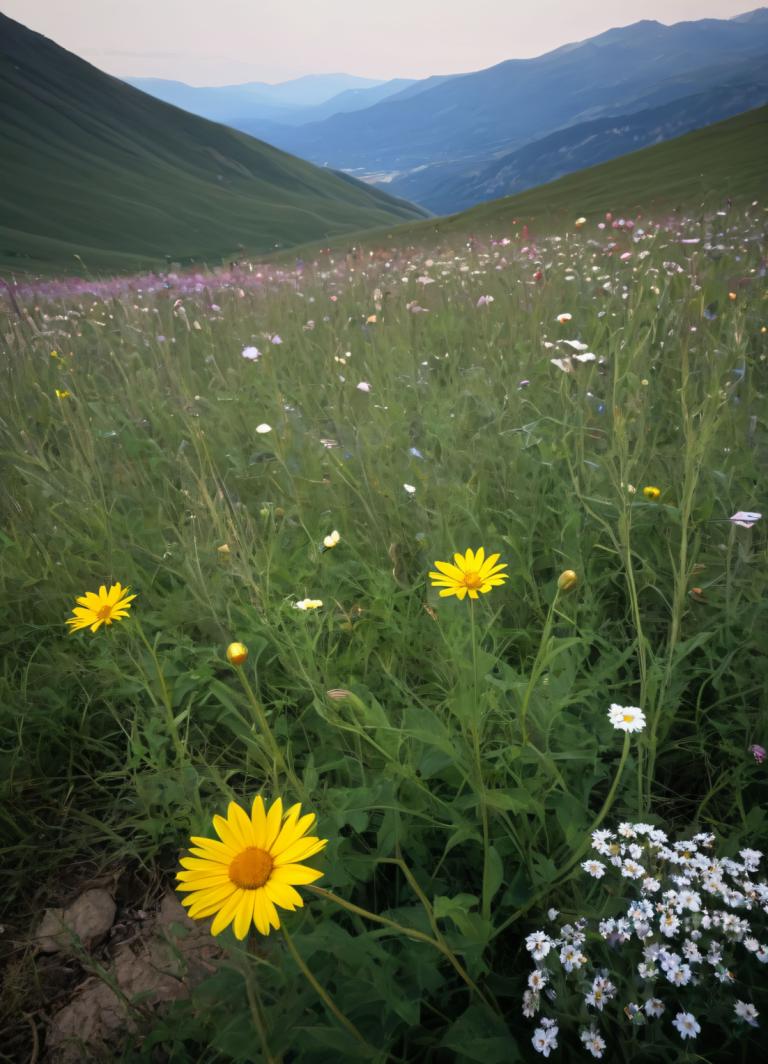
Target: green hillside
column 96, row 169
column 702, row 169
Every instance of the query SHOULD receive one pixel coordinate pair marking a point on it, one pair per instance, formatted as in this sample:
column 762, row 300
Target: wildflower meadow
column 399, row 617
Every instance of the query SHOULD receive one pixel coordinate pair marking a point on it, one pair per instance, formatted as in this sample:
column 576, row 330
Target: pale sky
column 218, row 42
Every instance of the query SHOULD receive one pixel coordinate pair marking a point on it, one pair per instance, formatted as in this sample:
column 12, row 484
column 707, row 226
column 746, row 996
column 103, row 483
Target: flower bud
column 237, row 653
column 651, row 492
column 567, row 580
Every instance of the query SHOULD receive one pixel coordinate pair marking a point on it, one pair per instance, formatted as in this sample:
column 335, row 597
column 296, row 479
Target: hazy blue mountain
column 350, row 100
column 474, row 118
column 313, row 89
column 452, row 188
column 257, row 100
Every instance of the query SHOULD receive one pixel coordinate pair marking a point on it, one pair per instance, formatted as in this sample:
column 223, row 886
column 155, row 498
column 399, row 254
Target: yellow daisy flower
column 104, row 608
column 472, row 572
column 254, row 868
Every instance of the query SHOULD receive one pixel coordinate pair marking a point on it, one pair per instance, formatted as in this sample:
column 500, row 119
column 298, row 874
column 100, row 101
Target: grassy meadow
column 197, row 438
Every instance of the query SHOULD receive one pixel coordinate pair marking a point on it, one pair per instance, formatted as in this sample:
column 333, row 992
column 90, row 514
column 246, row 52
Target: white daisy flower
column 593, row 1042
column 596, row 869
column 538, row 945
column 746, row 1012
column 654, row 1007
column 686, row 1024
column 626, row 718
column 544, row 1040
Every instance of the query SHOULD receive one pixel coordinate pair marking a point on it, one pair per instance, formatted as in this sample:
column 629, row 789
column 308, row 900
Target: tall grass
column 459, row 777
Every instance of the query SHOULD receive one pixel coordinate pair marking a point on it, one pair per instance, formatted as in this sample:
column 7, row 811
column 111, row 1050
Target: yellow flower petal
column 241, row 824
column 446, row 569
column 198, row 881
column 274, row 820
column 226, row 913
column 283, row 895
column 208, row 901
column 292, row 831
column 300, row 850
column 259, row 820
column 227, row 834
column 244, row 914
column 260, row 915
column 217, row 850
column 294, row 875
column 204, row 865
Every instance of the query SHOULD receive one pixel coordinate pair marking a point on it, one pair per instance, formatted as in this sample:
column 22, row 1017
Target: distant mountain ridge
column 584, row 145
column 252, row 106
column 475, row 118
column 94, row 168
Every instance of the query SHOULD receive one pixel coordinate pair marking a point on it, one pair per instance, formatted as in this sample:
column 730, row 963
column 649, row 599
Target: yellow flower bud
column 567, row 580
column 651, row 493
column 237, row 653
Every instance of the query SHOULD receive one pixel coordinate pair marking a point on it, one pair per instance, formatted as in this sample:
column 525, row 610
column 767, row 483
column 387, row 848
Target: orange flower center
column 251, row 868
column 472, row 580
column 105, row 613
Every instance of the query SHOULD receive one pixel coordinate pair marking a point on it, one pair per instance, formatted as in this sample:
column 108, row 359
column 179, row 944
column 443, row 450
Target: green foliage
column 464, row 752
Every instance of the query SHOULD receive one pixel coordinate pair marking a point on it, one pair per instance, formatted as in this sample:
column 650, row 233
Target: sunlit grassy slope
column 726, row 160
column 94, row 168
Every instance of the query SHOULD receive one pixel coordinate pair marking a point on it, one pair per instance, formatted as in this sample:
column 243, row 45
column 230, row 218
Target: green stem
column 411, row 933
column 257, row 1013
column 167, row 701
column 327, row 1000
column 562, row 874
column 537, row 667
column 475, row 716
column 260, row 719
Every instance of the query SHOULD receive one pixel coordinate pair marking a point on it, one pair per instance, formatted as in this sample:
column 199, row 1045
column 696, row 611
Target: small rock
column 88, row 918
column 92, row 1019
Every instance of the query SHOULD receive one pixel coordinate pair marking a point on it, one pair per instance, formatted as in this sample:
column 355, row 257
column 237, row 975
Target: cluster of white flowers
column 689, row 916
